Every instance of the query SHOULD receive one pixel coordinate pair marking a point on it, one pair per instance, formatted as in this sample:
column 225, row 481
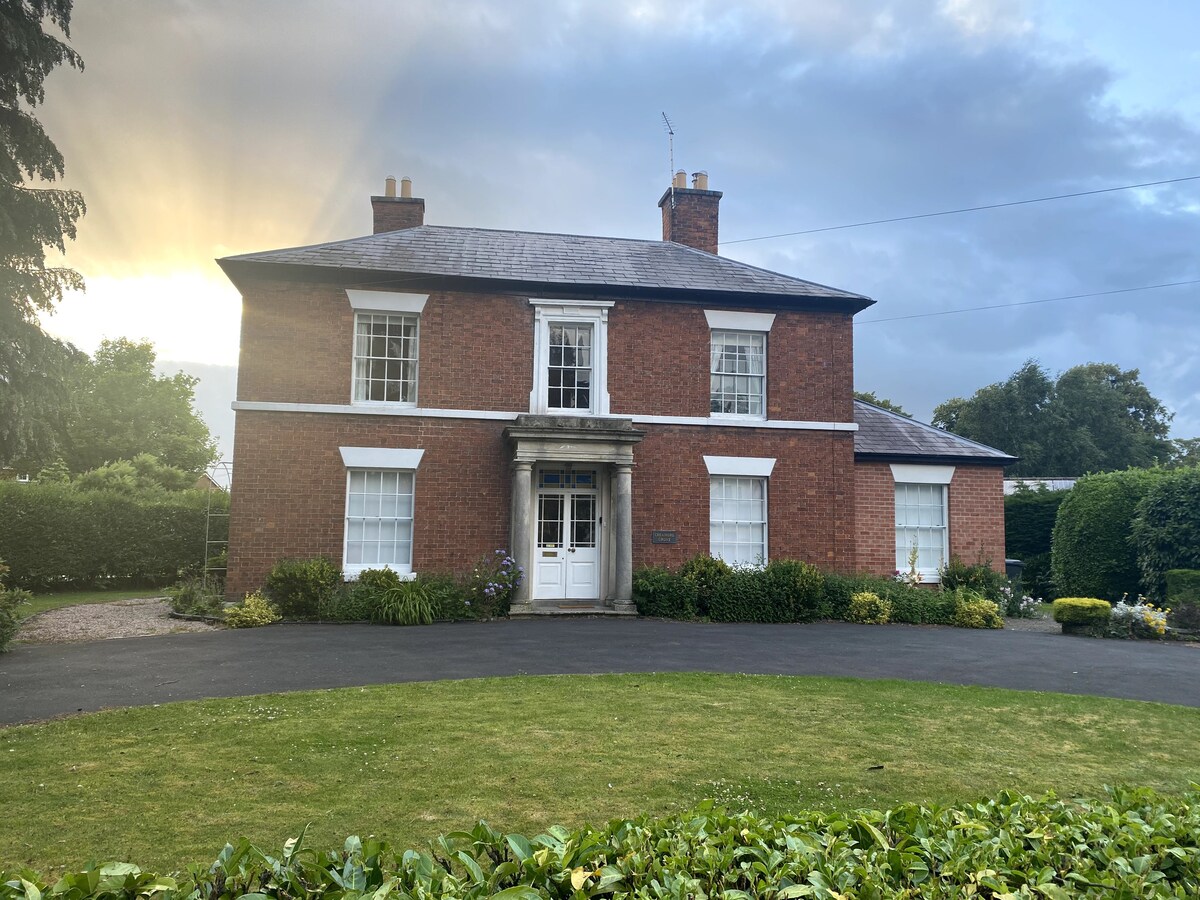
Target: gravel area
column 1046, row 624
column 103, row 621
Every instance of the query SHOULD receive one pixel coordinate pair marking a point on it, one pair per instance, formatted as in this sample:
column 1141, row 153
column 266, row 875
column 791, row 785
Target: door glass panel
column 550, row 520
column 583, row 520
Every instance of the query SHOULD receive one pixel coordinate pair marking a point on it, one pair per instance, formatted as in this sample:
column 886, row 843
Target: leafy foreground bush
column 299, row 588
column 1134, row 844
column 10, row 600
column 254, row 611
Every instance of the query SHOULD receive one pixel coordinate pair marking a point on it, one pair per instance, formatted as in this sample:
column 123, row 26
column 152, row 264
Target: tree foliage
column 1092, row 418
column 125, row 410
column 1166, row 531
column 1092, row 554
column 32, row 220
column 882, row 402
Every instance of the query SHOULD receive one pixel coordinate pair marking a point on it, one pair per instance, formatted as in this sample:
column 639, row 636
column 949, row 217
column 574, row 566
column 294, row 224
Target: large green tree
column 882, row 402
column 124, row 410
column 1092, row 418
column 34, row 218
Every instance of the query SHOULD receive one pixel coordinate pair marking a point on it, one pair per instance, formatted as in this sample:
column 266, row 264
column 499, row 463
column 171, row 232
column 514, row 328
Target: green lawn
column 43, row 602
column 165, row 786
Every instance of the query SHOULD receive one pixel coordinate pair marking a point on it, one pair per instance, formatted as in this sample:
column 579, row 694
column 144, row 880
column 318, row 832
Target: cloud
column 200, row 130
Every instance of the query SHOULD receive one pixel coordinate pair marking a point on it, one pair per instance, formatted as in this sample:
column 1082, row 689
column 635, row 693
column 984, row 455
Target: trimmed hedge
column 301, row 588
column 1028, row 526
column 1092, row 554
column 657, row 592
column 1131, row 844
column 55, row 537
column 1082, row 611
column 1183, row 598
column 1166, row 530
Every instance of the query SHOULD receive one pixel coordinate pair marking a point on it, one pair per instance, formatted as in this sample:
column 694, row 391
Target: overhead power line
column 965, row 209
column 952, row 312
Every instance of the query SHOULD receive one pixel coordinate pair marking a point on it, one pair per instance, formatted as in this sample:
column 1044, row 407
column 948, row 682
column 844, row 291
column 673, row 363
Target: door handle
column 570, row 549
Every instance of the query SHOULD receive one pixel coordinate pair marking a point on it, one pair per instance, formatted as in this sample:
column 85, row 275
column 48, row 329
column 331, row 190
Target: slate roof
column 576, row 262
column 889, row 435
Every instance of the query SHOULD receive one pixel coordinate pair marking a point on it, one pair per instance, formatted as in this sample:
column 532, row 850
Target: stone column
column 622, row 502
column 520, row 533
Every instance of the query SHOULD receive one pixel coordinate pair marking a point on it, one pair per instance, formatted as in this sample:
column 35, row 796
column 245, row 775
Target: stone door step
column 567, row 608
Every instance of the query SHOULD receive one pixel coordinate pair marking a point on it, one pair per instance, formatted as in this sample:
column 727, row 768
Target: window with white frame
column 922, row 518
column 385, row 357
column 387, row 328
column 380, row 493
column 737, row 373
column 737, row 369
column 737, row 519
column 570, row 365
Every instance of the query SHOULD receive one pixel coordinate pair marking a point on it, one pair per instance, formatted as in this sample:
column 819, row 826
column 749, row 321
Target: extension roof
column 883, row 434
column 437, row 257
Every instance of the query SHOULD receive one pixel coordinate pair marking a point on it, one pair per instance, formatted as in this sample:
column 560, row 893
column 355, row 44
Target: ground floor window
column 379, row 520
column 921, row 523
column 737, row 519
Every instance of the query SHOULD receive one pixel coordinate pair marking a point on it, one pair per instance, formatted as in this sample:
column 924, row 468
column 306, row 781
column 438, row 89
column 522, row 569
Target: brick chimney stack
column 689, row 214
column 394, row 213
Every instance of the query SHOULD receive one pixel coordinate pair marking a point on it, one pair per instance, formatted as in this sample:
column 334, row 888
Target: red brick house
column 425, row 395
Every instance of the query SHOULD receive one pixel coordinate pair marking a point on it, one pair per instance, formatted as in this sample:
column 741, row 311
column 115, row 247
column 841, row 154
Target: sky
column 204, row 129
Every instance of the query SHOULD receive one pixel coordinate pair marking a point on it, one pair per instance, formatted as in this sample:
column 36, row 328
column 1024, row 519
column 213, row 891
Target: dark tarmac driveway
column 39, row 682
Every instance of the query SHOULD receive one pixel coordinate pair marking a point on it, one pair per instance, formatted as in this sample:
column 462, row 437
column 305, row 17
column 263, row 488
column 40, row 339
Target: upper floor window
column 570, row 357
column 385, row 357
column 386, row 345
column 569, row 368
column 737, row 371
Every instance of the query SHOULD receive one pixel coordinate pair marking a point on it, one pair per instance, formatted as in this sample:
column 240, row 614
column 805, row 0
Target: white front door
column 567, row 557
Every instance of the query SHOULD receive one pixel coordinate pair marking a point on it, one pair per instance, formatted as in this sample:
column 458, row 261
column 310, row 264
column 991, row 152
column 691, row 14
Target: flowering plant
column 494, row 580
column 1140, row 619
column 1018, row 606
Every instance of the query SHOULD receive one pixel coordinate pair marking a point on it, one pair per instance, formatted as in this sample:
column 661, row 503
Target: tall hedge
column 1166, row 530
column 1028, row 526
column 1093, row 555
column 55, row 536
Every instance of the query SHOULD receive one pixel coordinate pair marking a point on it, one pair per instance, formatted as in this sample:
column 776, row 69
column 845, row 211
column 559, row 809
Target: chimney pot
column 690, row 214
column 389, row 186
column 405, row 186
column 392, row 213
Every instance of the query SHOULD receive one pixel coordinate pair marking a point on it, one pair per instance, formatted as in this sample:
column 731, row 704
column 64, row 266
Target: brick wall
column 976, row 506
column 298, row 346
column 659, row 363
column 810, row 495
column 977, row 515
column 289, row 489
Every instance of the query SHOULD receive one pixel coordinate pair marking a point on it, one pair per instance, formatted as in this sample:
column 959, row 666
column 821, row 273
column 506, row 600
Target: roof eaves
column 940, row 431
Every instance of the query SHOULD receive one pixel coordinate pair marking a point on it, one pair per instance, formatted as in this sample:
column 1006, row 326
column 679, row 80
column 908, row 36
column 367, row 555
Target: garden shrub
column 796, row 587
column 56, row 537
column 744, row 596
column 1088, row 611
column 979, row 577
column 254, row 611
column 1092, row 555
column 11, row 599
column 705, row 572
column 1166, row 529
column 972, row 610
column 1136, row 620
column 1183, row 597
column 868, row 608
column 451, row 599
column 356, row 600
column 1132, row 843
column 408, row 603
column 663, row 594
column 189, row 596
column 1028, row 526
column 919, row 606
column 494, row 581
column 299, row 588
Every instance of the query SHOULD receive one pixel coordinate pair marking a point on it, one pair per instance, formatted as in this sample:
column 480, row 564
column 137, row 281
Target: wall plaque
column 664, row 537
